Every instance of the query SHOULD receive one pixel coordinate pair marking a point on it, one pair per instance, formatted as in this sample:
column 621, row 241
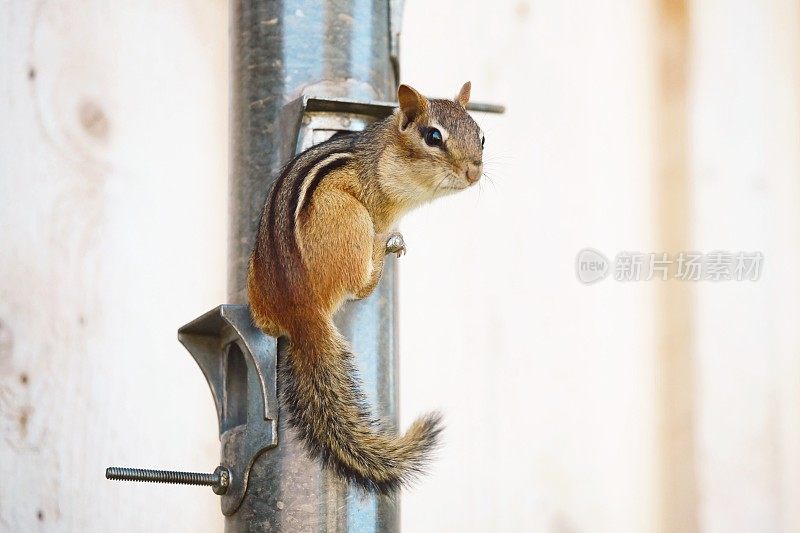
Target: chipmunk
column 324, row 232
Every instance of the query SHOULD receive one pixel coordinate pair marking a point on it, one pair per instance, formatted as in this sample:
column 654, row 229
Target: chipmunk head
column 440, row 145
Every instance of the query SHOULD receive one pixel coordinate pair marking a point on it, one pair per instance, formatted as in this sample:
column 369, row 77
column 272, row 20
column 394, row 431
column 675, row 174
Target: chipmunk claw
column 395, row 244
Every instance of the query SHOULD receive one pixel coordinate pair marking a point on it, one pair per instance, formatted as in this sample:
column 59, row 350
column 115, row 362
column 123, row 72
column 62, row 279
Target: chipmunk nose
column 474, row 171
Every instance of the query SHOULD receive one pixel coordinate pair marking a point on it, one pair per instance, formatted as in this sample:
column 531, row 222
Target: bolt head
column 224, row 480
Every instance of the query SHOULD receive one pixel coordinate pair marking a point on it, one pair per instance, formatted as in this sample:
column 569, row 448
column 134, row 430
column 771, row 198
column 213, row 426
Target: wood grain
column 112, row 201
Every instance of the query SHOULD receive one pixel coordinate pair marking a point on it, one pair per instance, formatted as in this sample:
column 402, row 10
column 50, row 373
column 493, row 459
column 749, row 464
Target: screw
column 219, row 481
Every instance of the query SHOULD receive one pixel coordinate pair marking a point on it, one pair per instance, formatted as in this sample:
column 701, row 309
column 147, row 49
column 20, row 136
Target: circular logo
column 591, row 266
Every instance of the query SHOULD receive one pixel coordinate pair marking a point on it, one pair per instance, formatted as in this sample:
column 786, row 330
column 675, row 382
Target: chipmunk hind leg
column 336, row 236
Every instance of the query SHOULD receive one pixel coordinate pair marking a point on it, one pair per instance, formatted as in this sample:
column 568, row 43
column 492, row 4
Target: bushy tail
column 329, row 411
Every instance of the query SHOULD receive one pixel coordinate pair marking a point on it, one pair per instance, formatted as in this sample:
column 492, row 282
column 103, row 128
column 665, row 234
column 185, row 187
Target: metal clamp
column 239, row 363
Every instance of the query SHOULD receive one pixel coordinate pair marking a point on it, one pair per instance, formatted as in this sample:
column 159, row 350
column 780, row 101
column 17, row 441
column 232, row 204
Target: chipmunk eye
column 433, row 137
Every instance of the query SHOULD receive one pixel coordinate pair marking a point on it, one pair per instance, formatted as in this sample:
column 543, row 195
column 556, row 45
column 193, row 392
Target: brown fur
column 322, row 239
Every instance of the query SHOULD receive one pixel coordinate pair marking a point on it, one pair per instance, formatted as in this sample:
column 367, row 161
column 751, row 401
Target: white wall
column 546, row 384
column 746, row 169
column 561, row 416
column 563, row 401
column 112, row 165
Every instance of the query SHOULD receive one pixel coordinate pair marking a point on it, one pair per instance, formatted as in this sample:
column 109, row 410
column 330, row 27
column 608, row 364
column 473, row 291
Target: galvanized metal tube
column 280, row 49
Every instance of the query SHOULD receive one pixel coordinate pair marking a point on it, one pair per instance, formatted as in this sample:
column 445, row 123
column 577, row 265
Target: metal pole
column 281, row 49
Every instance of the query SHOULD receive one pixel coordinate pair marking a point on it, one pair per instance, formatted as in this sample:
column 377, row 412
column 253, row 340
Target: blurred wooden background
column 112, row 234
column 639, row 407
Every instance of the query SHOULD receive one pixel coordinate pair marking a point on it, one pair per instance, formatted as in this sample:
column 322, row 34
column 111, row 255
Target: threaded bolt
column 219, row 481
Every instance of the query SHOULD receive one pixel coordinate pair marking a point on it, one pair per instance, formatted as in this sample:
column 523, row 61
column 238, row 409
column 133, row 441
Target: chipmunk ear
column 412, row 104
column 463, row 95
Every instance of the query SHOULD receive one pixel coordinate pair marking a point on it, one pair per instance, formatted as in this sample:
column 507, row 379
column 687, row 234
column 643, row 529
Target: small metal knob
column 219, row 481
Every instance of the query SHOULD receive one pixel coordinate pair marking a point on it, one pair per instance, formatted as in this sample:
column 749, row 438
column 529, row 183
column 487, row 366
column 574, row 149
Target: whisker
column 491, row 180
column 447, row 174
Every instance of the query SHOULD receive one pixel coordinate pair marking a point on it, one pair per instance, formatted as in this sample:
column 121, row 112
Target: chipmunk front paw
column 395, row 244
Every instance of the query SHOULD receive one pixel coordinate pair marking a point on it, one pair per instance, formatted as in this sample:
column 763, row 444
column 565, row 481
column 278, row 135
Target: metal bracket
column 322, row 118
column 239, row 363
